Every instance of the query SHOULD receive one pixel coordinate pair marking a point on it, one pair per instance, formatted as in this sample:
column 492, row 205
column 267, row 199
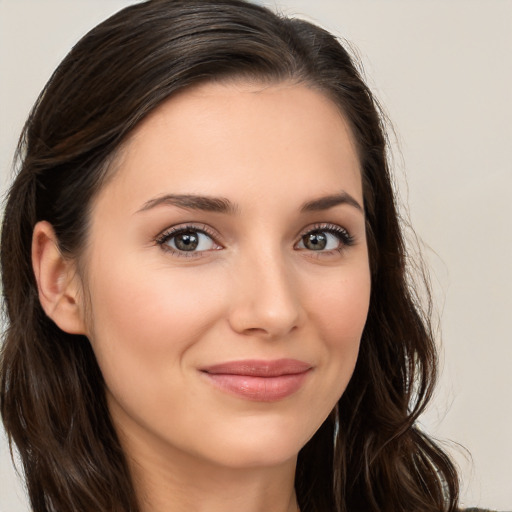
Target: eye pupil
column 315, row 241
column 186, row 241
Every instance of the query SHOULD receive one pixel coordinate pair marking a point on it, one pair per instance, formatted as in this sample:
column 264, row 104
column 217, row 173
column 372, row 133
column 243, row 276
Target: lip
column 259, row 380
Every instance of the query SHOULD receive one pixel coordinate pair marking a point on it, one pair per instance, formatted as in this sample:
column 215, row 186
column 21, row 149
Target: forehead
column 227, row 135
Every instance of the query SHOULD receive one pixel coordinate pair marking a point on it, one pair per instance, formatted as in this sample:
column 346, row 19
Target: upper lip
column 259, row 368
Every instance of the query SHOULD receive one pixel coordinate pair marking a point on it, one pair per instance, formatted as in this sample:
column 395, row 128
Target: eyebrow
column 192, row 202
column 224, row 205
column 326, row 202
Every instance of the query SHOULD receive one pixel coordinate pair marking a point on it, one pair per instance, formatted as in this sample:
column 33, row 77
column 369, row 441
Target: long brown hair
column 368, row 455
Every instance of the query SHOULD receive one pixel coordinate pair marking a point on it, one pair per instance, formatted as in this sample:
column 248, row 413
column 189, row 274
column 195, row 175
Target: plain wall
column 443, row 70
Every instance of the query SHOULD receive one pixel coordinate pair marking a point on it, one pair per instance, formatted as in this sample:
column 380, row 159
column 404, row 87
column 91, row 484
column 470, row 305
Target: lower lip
column 259, row 389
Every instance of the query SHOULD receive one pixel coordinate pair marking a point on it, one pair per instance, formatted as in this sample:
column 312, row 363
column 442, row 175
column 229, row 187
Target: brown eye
column 187, row 241
column 315, row 241
column 325, row 238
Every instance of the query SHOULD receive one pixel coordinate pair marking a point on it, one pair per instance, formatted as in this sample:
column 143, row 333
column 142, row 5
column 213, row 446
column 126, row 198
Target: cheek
column 339, row 312
column 141, row 300
column 146, row 320
column 340, row 307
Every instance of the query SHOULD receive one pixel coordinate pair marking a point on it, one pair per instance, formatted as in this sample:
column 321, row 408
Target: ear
column 57, row 281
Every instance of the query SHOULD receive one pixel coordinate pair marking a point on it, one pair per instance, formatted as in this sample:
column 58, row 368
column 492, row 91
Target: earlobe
column 57, row 282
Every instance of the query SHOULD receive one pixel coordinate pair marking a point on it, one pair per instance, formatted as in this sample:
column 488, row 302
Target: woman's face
column 227, row 275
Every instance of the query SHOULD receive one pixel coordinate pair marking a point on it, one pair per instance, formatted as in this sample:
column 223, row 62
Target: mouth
column 259, row 380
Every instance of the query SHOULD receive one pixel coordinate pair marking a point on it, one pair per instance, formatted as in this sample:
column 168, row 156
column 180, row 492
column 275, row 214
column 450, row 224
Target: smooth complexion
column 226, row 285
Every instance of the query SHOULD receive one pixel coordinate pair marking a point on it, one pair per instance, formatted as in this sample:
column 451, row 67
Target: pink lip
column 257, row 380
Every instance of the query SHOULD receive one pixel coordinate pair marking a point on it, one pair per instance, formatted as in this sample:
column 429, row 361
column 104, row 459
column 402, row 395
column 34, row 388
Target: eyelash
column 169, row 234
column 342, row 234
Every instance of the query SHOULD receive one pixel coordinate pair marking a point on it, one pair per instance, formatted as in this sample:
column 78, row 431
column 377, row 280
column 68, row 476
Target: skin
column 155, row 317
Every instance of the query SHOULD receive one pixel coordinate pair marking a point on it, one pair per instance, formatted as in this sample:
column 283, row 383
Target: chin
column 259, row 446
column 257, row 455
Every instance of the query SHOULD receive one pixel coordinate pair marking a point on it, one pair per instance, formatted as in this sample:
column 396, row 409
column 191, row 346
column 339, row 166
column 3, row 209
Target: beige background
column 443, row 70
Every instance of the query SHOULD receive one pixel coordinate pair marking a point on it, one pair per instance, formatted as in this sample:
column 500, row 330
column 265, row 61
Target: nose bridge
column 265, row 299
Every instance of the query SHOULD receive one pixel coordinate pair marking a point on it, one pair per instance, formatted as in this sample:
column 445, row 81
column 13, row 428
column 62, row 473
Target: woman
column 205, row 281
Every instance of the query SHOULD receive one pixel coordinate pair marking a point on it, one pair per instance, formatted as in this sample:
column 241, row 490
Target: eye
column 325, row 239
column 187, row 240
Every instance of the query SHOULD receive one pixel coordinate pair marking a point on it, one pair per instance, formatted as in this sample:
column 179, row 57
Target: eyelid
column 323, row 226
column 172, row 231
column 345, row 236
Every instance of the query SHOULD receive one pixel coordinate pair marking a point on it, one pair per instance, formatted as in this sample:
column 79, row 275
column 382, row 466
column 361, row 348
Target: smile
column 257, row 380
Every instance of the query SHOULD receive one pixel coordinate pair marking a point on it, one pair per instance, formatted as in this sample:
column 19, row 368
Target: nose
column 265, row 300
